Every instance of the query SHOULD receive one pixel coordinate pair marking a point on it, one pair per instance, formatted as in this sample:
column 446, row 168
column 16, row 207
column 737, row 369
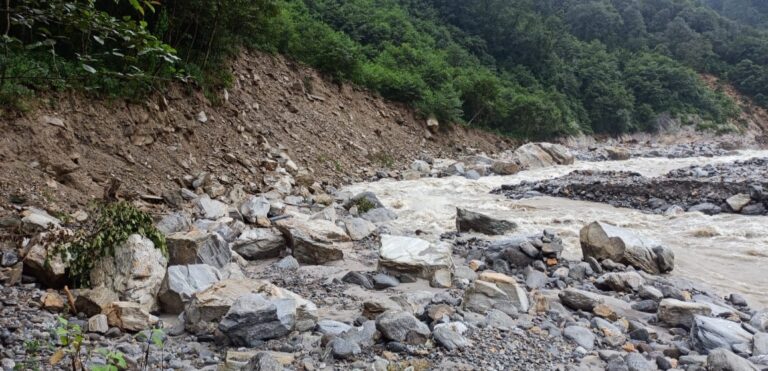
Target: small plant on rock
column 112, row 226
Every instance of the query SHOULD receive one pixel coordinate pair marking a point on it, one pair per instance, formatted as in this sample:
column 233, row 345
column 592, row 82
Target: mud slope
column 65, row 152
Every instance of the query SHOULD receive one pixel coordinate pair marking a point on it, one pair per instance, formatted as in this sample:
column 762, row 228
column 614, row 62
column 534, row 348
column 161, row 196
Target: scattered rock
column 711, row 333
column 674, row 312
column 449, row 335
column 581, row 336
column 469, row 221
column 52, row 301
column 724, row 360
column 98, row 324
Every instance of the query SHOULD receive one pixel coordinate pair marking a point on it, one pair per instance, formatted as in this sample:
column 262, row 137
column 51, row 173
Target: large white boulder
column 399, row 254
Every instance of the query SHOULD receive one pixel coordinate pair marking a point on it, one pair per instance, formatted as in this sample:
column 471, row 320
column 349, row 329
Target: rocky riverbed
column 735, row 187
column 307, row 277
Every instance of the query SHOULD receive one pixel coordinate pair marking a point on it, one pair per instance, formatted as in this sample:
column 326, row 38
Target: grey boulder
column 253, row 318
column 604, row 241
column 709, row 333
column 469, row 221
column 402, row 327
column 183, row 281
column 260, row 243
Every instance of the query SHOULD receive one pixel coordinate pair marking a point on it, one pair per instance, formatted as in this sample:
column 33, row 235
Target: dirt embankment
column 63, row 153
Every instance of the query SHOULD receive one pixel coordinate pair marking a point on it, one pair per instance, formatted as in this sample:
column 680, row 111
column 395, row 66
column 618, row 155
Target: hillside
column 63, row 153
column 529, row 69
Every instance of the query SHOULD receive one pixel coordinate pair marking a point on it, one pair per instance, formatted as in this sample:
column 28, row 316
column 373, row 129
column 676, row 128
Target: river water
column 728, row 252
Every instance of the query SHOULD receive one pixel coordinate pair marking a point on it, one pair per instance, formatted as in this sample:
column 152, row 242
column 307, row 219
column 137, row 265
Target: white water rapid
column 728, row 252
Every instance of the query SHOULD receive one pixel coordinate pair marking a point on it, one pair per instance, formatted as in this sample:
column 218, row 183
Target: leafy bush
column 112, row 226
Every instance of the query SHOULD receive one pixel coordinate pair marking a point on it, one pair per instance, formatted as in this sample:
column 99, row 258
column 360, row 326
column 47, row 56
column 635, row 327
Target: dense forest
column 528, row 68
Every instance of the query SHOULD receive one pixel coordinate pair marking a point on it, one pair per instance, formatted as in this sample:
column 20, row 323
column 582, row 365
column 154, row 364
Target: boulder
column 365, row 200
column 135, row 272
column 709, row 333
column 538, row 155
column 604, row 241
column 409, row 255
column 129, row 316
column 760, row 344
column 620, row 281
column 617, row 154
column 214, row 302
column 502, row 167
column 469, row 221
column 724, row 360
column 260, row 243
column 253, row 318
column 379, row 215
column 254, row 208
column 674, row 312
column 50, row 270
column 211, row 209
column 94, row 301
column 421, row 167
column 737, row 202
column 52, row 301
column 314, row 242
column 760, row 320
column 402, row 327
column 182, row 282
column 515, row 292
column 482, row 296
column 198, row 247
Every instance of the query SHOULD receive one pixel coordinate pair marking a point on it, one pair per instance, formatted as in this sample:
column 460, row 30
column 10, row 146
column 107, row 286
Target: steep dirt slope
column 65, row 151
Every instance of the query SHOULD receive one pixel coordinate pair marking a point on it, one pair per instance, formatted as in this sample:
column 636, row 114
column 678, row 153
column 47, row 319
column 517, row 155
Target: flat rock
column 580, row 299
column 674, row 312
column 709, row 333
column 581, row 336
column 409, row 255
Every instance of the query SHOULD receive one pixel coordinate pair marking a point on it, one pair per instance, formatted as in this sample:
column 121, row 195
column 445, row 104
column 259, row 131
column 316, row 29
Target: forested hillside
column 528, row 68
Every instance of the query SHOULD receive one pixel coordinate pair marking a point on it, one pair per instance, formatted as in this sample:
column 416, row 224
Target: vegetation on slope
column 529, row 68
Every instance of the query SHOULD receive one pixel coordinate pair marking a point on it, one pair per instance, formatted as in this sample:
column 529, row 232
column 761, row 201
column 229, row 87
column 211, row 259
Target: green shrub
column 111, row 226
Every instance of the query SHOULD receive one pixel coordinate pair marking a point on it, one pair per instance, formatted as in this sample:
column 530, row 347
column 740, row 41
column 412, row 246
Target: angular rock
column 94, row 301
column 383, row 281
column 505, row 167
column 402, row 327
column 359, row 228
column 482, row 296
column 538, row 155
column 604, row 241
column 198, row 247
column 441, row 279
column 214, row 302
column 254, row 208
column 409, row 255
column 617, row 154
column 129, row 316
column 288, row 263
column 52, row 301
column 449, row 335
column 211, row 209
column 724, row 360
column 329, row 327
column 379, row 215
column 581, row 336
column 174, row 223
column 357, row 278
column 98, row 324
column 135, row 272
column 49, row 270
column 263, row 361
column 35, row 219
column 314, row 242
column 469, row 221
column 515, row 292
column 260, row 243
column 737, row 202
column 674, row 312
column 708, row 334
column 253, row 318
column 621, row 281
column 183, row 281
